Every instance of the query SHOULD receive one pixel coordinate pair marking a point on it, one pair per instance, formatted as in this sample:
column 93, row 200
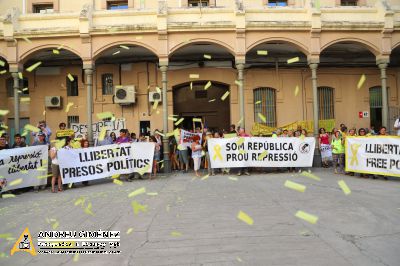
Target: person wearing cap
column 41, row 139
column 43, row 128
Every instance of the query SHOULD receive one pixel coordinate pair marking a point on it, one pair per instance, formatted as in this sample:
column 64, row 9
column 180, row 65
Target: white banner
column 326, row 151
column 28, row 164
column 77, row 165
column 186, row 138
column 261, row 152
column 112, row 126
column 373, row 155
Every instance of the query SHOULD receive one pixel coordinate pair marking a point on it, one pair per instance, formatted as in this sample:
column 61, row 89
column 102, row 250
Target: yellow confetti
column 226, row 94
column 118, row 182
column 104, row 115
column 239, row 259
column 205, row 177
column 208, row 85
column 245, row 218
column 16, row 182
column 33, row 67
column 69, row 105
column 310, row 175
column 60, row 47
column 158, row 89
column 307, row 217
column 233, row 178
column 55, row 51
column 3, row 72
column 27, row 40
column 144, row 170
column 152, row 194
column 207, row 56
column 6, row 196
column 155, row 105
column 25, row 89
column 295, row 186
column 179, row 121
column 115, row 176
column 175, row 233
column 20, row 76
column 262, row 52
column 212, row 100
column 296, row 90
column 88, row 209
column 29, row 127
column 138, row 207
column 173, row 119
column 60, row 143
column 44, row 176
column 124, row 47
column 137, row 192
column 161, row 134
column 70, row 185
column 197, row 120
column 293, row 60
column 76, row 257
column 55, row 225
column 70, row 77
column 102, row 134
column 191, row 85
column 237, row 82
column 262, row 155
column 194, row 76
column 2, row 63
column 240, row 141
column 117, row 52
column 344, row 187
column 4, row 112
column 262, row 117
column 130, row 230
column 361, row 81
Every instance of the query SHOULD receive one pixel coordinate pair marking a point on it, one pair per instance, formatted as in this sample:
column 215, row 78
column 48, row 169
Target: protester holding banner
column 41, row 139
column 325, row 147
column 55, row 170
column 205, row 148
column 123, row 136
column 352, row 133
column 43, row 129
column 156, row 157
column 243, row 134
column 3, row 144
column 18, row 142
column 113, row 137
column 337, row 145
column 196, row 154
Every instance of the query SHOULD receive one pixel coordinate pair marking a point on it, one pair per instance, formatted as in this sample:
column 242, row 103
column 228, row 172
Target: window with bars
column 72, row 86
column 107, row 84
column 198, row 3
column 23, row 86
column 277, row 2
column 43, row 8
column 326, row 103
column 348, row 2
column 265, row 104
column 114, row 5
column 72, row 119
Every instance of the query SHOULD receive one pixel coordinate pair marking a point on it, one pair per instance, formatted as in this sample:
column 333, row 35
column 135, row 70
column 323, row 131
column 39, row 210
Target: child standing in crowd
column 196, row 153
column 323, row 143
column 337, row 145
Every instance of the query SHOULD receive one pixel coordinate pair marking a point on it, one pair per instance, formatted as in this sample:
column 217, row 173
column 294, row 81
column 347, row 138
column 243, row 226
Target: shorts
column 156, row 156
column 183, row 156
column 55, row 168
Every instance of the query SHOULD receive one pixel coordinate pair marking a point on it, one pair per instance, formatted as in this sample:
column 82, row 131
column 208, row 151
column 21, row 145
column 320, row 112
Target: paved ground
column 362, row 228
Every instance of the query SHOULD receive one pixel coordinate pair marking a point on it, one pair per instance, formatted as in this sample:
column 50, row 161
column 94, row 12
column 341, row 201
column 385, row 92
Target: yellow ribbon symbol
column 354, row 149
column 217, row 150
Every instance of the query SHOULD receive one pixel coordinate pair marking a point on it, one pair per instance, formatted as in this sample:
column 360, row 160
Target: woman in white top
column 55, row 170
column 196, row 153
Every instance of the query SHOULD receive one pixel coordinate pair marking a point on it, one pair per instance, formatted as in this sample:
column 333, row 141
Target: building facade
column 89, row 49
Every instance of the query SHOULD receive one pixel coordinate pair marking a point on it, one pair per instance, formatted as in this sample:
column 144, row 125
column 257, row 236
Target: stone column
column 164, row 80
column 317, row 154
column 385, row 108
column 240, row 68
column 89, row 102
column 16, row 102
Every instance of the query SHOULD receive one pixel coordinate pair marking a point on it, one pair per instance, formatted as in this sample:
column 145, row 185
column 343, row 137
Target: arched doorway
column 193, row 101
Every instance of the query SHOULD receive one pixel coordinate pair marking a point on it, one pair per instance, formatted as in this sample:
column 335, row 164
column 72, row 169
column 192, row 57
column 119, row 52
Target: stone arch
column 368, row 45
column 229, row 48
column 98, row 52
column 303, row 48
column 25, row 56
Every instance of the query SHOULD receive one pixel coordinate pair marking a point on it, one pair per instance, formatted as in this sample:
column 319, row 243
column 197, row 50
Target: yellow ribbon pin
column 217, row 150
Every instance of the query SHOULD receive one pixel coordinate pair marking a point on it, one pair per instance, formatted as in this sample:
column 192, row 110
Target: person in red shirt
column 324, row 144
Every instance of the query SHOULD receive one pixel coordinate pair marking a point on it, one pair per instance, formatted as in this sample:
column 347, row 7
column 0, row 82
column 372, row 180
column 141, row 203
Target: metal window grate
column 326, row 103
column 72, row 86
column 375, row 97
column 267, row 105
column 198, row 3
column 107, row 84
column 72, row 119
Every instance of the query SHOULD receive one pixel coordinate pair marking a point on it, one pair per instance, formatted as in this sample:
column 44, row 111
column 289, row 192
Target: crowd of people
column 195, row 156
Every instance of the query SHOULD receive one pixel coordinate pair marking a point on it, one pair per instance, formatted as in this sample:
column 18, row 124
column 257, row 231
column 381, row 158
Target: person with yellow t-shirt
column 337, row 145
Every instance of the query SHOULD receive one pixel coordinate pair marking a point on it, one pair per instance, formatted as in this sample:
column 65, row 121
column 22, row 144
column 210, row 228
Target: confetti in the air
column 70, row 77
column 262, row 155
column 124, row 47
column 207, row 56
column 60, row 47
column 179, row 121
column 307, row 217
column 102, row 134
column 15, row 182
column 104, row 115
column 296, row 90
column 69, row 105
column 25, row 89
column 208, row 85
column 130, row 230
column 172, row 119
column 20, row 76
column 262, row 117
column 4, row 112
column 29, row 127
column 197, row 120
column 226, row 94
column 191, row 85
column 33, row 67
column 240, row 141
column 293, row 60
column 2, row 63
column 138, row 207
column 262, row 52
column 3, row 72
column 257, row 102
column 310, row 175
column 27, row 40
column 155, row 105
column 245, row 218
column 344, row 187
column 212, row 100
column 117, row 52
column 361, row 81
column 137, row 192
column 237, row 82
column 295, row 186
column 194, row 76
column 55, row 51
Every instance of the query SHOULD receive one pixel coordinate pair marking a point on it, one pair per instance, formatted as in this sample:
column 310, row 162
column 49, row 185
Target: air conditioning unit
column 52, row 101
column 154, row 96
column 124, row 95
